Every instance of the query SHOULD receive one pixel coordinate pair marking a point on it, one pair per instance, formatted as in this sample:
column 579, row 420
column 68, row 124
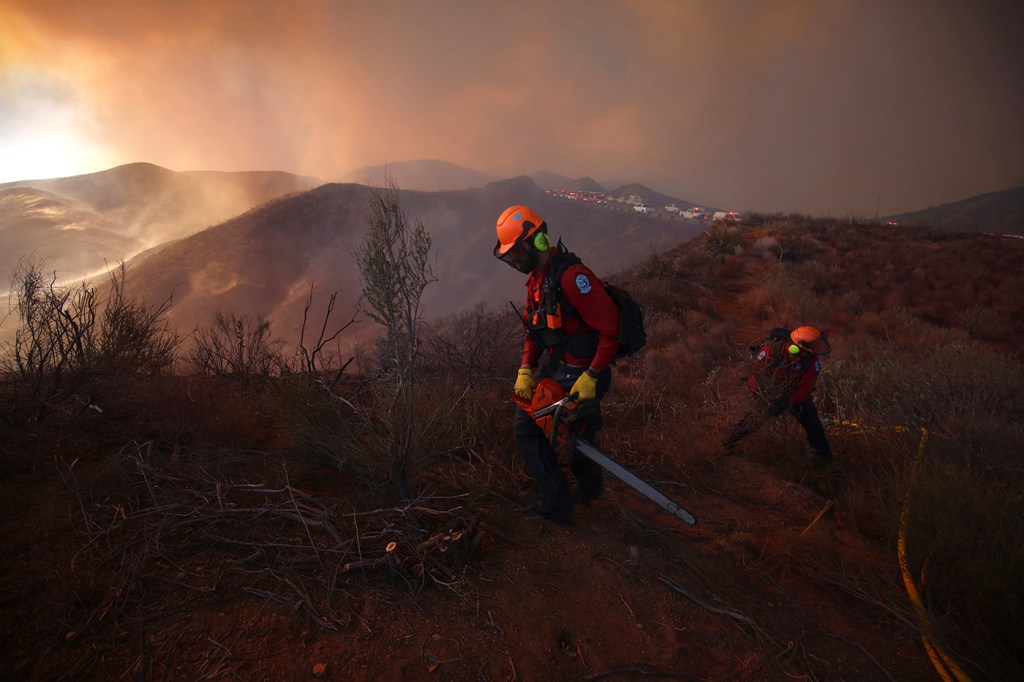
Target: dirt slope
column 764, row 587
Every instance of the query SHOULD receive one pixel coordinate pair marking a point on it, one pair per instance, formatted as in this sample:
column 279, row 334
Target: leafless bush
column 135, row 337
column 475, row 344
column 334, row 423
column 315, row 359
column 56, row 337
column 348, row 424
column 235, row 345
column 66, row 335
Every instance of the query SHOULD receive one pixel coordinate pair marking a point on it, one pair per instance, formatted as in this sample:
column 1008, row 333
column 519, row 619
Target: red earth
column 148, row 563
column 126, row 556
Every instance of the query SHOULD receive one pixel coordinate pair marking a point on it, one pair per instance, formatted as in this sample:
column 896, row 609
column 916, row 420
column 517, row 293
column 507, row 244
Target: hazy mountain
column 999, row 212
column 614, row 182
column 548, row 180
column 77, row 223
column 424, row 175
column 68, row 237
column 585, row 184
column 264, row 262
column 655, row 199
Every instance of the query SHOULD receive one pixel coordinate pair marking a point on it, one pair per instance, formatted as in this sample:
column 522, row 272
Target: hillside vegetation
column 165, row 517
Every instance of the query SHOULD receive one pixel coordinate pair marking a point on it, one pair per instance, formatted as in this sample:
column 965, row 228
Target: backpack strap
column 552, row 288
column 552, row 297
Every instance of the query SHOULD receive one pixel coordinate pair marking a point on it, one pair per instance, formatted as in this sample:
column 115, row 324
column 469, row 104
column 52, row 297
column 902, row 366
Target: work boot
column 533, row 504
column 822, row 464
column 589, row 478
column 585, row 491
column 828, row 476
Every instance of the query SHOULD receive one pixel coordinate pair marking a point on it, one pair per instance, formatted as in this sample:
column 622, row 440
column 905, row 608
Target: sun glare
column 45, row 131
column 52, row 154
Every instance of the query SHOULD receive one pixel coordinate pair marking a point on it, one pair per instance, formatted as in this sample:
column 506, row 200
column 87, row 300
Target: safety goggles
column 519, row 257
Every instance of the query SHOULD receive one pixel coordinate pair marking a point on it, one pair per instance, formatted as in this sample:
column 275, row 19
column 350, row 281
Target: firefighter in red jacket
column 570, row 315
column 782, row 379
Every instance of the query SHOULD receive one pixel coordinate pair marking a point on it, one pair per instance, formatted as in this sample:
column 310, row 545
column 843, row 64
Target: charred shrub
column 474, row 345
column 69, row 335
column 235, row 345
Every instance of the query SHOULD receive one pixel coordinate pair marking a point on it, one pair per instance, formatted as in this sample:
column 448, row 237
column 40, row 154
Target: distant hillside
column 586, row 184
column 655, row 199
column 264, row 262
column 548, row 180
column 997, row 212
column 78, row 223
column 69, row 237
column 424, row 175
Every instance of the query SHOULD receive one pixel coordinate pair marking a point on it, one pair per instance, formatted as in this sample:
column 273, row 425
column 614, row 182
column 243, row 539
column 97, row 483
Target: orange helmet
column 515, row 225
column 809, row 339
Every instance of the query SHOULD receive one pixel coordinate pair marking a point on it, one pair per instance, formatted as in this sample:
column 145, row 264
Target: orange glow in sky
column 782, row 105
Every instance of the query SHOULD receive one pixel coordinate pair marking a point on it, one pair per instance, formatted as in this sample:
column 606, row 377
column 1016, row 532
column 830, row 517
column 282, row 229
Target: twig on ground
column 640, row 668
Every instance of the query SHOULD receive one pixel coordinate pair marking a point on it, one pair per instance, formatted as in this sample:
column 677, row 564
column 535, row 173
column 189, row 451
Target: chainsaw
column 553, row 410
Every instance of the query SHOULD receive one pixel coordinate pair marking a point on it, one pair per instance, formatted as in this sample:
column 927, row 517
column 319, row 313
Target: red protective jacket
column 592, row 312
column 777, row 374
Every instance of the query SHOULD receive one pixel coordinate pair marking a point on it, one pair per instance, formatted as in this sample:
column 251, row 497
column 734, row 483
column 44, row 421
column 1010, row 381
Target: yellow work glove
column 584, row 389
column 525, row 383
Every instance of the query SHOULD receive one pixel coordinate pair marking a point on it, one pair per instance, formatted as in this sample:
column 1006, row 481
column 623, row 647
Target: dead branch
column 639, row 668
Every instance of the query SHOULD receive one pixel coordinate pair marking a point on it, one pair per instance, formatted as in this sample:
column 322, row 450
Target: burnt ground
column 125, row 559
column 126, row 555
column 755, row 591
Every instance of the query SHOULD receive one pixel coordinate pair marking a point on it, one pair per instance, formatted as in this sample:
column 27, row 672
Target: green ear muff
column 794, row 349
column 541, row 242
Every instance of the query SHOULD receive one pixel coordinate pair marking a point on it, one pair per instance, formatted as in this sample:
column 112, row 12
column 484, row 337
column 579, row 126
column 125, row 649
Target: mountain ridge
column 139, row 205
column 1000, row 211
column 265, row 262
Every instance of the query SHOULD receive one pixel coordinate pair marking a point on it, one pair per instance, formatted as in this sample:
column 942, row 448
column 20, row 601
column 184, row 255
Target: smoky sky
column 835, row 108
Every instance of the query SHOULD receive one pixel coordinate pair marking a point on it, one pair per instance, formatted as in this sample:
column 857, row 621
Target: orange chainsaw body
column 547, row 394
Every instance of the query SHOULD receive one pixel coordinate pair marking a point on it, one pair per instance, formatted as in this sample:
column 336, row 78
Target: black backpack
column 776, row 337
column 632, row 335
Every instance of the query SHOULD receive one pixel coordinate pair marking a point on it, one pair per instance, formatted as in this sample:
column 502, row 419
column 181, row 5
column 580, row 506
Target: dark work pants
column 806, row 413
column 541, row 459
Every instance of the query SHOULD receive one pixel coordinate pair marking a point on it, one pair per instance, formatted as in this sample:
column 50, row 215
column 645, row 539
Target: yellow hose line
column 869, row 427
column 939, row 658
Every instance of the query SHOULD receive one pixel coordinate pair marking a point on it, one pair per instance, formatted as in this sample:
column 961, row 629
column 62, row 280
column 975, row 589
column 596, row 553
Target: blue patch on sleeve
column 583, row 284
